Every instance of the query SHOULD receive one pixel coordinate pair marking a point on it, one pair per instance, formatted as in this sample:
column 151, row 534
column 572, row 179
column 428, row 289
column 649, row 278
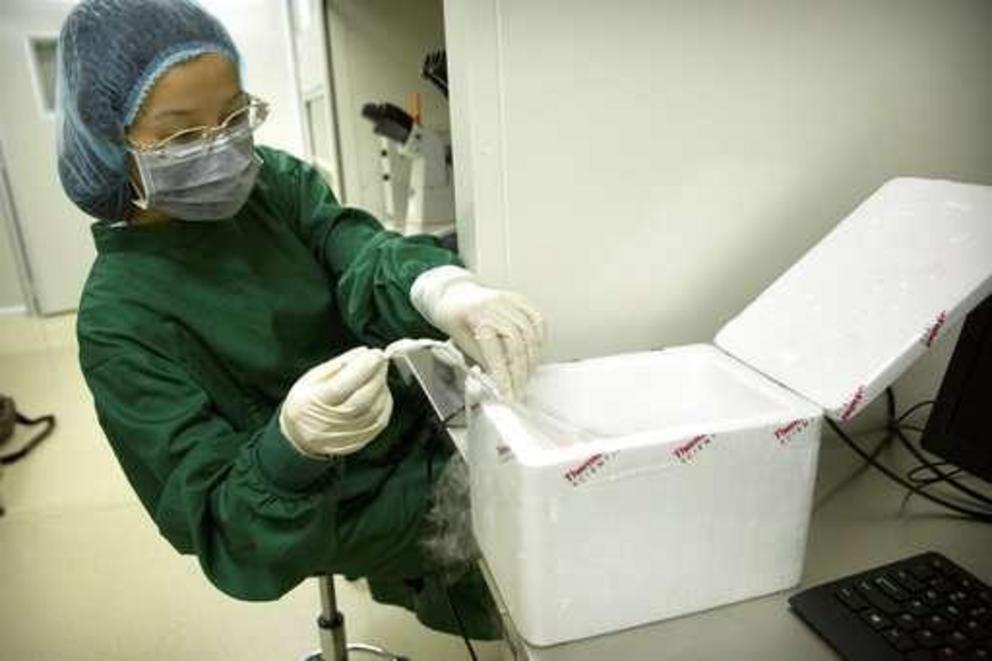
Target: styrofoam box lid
column 863, row 304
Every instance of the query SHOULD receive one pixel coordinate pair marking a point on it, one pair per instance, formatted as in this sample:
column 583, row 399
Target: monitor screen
column 959, row 429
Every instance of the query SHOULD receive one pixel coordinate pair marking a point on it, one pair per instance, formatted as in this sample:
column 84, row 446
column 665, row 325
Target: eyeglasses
column 246, row 118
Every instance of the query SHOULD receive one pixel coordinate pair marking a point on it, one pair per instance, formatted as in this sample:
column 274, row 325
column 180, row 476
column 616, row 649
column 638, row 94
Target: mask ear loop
column 140, row 198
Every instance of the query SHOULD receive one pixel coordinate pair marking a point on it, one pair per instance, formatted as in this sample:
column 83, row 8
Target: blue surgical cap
column 111, row 53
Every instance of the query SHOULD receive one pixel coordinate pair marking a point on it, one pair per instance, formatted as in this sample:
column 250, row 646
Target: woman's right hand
column 339, row 406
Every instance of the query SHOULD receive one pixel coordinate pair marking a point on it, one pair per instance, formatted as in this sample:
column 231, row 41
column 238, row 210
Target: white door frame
column 8, row 214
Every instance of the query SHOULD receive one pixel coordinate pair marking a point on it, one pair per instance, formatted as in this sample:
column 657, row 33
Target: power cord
column 458, row 621
column 978, row 514
column 873, row 455
column 440, row 429
column 912, row 409
column 940, row 475
column 840, row 486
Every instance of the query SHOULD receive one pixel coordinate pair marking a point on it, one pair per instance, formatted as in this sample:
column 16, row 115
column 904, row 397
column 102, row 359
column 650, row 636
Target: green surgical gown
column 190, row 335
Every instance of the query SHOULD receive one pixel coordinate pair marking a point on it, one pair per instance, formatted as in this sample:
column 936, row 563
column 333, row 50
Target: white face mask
column 201, row 181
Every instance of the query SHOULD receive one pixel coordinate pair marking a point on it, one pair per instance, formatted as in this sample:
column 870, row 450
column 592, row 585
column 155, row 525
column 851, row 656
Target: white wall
column 643, row 169
column 56, row 235
column 309, row 30
column 377, row 48
column 11, row 296
column 260, row 29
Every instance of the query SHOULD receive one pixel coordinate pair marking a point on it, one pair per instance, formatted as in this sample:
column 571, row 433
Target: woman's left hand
column 498, row 329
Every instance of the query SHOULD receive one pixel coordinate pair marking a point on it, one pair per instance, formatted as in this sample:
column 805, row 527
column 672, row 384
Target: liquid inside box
column 633, row 488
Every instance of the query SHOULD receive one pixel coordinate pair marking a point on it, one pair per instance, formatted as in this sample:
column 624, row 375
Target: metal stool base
column 333, row 641
column 359, row 648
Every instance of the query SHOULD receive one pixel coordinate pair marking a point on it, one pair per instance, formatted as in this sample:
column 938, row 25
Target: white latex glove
column 338, row 406
column 498, row 329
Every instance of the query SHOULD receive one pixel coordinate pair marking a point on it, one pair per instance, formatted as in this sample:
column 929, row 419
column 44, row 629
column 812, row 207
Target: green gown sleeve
column 259, row 516
column 373, row 269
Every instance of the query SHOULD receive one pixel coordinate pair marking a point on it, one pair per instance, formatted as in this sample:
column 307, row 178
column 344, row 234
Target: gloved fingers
column 369, row 431
column 328, row 368
column 514, row 348
column 536, row 318
column 494, row 358
column 374, row 407
column 364, row 420
column 363, row 367
column 385, row 412
column 464, row 340
column 363, row 399
column 448, row 354
column 530, row 335
column 337, row 427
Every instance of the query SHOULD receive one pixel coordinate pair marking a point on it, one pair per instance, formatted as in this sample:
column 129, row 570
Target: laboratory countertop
column 858, row 523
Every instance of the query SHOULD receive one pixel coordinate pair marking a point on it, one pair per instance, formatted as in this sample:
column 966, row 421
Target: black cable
column 913, row 409
column 971, row 513
column 440, row 427
column 912, row 477
column 458, row 620
column 877, row 450
column 945, row 477
column 442, row 424
column 47, row 420
column 895, row 425
column 926, row 484
column 452, row 416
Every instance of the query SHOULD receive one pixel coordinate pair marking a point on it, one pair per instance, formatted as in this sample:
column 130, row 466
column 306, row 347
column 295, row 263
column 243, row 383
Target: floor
column 84, row 575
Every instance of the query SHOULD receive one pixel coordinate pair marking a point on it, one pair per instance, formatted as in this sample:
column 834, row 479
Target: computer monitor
column 959, row 429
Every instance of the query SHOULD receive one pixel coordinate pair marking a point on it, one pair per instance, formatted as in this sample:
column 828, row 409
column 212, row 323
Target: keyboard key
column 951, row 612
column 937, row 623
column 921, row 571
column 983, row 653
column 876, row 598
column 957, row 640
column 932, row 597
column 985, row 596
column 891, row 589
column 978, row 612
column 948, row 653
column 927, row 638
column 920, row 655
column 958, row 597
column 875, row 619
column 939, row 566
column 940, row 584
column 917, row 607
column 971, row 627
column 851, row 599
column 899, row 640
column 907, row 581
column 908, row 621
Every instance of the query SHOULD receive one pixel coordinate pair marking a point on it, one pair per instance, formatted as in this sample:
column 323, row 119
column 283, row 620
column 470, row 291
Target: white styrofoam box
column 635, row 488
column 869, row 299
column 666, row 512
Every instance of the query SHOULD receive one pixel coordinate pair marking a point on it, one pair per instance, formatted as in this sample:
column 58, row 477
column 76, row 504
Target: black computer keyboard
column 918, row 609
